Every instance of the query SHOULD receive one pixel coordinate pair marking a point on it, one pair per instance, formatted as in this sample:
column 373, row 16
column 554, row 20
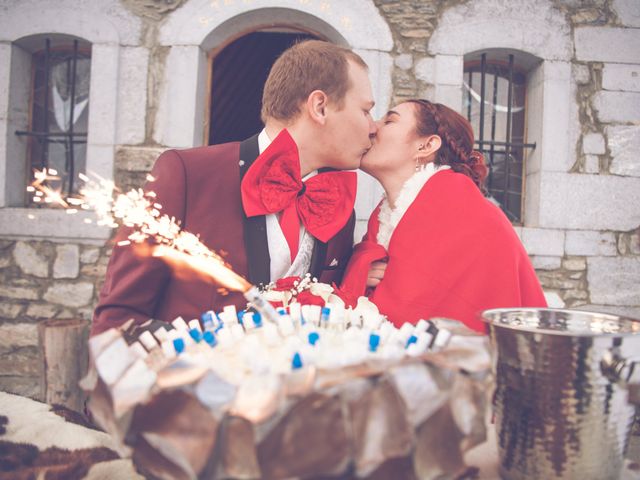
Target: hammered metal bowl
column 561, row 401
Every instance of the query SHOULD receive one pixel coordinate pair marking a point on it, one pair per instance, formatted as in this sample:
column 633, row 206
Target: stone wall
column 584, row 259
column 595, row 264
column 40, row 280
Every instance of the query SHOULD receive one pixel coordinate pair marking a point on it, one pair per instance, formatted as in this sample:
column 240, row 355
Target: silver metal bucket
column 562, row 401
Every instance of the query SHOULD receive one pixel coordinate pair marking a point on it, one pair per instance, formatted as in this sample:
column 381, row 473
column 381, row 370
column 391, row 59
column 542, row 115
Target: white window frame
column 19, row 221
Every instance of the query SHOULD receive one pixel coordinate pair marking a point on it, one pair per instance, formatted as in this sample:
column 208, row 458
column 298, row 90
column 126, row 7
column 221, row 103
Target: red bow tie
column 273, row 184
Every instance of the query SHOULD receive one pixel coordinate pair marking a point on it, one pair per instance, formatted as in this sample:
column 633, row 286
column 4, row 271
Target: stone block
column 104, row 78
column 576, row 294
column 591, row 164
column 416, row 33
column 541, row 262
column 449, row 69
column 18, row 293
column 554, row 128
column 425, row 70
column 10, row 310
column 67, row 263
column 176, row 117
column 404, row 61
column 380, row 64
column 590, row 243
column 70, row 294
column 403, row 80
column 629, row 243
column 628, row 12
column 49, row 223
column 19, row 385
column 546, row 242
column 16, row 335
column 100, row 160
column 607, row 44
column 30, row 261
column 132, row 95
column 576, row 264
column 589, row 202
column 450, row 95
column 558, row 281
column 588, row 16
column 94, row 270
column 484, row 24
column 581, row 74
column 107, row 21
column 554, row 300
column 616, row 76
column 360, row 23
column 617, row 107
column 89, row 255
column 5, row 79
column 630, row 312
column 23, row 362
column 41, row 310
column 614, row 280
column 624, row 144
column 593, row 143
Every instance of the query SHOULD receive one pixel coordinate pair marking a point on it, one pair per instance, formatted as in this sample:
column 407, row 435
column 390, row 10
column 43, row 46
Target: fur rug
column 40, row 441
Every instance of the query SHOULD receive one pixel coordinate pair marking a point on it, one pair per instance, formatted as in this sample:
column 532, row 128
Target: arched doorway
column 239, row 71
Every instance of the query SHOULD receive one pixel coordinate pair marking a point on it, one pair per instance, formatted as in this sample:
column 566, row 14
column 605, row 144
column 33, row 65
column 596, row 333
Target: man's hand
column 376, row 273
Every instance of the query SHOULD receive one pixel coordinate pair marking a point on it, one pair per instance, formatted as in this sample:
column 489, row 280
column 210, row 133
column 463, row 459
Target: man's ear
column 317, row 106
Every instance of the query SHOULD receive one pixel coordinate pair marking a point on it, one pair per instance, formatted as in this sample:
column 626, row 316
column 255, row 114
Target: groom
column 273, row 204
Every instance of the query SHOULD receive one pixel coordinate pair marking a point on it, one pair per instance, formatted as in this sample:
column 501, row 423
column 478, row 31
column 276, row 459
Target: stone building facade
column 149, row 91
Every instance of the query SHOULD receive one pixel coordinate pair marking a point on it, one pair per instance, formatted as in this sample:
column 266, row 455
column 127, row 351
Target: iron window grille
column 59, row 112
column 494, row 100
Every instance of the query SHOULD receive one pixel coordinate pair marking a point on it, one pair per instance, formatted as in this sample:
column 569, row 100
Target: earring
column 419, row 165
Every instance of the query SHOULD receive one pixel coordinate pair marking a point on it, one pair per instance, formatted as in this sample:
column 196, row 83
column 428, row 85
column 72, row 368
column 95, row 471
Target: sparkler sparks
column 139, row 210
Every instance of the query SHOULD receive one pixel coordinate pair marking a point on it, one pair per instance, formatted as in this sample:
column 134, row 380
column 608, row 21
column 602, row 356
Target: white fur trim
column 390, row 217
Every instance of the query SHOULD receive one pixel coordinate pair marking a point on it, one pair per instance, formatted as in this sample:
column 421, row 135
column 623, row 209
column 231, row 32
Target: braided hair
column 456, row 135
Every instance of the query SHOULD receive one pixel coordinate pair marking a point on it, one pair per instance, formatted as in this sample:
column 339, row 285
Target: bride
column 435, row 246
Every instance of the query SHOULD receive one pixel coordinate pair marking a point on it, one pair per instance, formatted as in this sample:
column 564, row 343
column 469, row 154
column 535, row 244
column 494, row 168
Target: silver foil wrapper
column 407, row 418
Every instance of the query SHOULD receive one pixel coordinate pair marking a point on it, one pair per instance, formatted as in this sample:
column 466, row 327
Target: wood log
column 65, row 358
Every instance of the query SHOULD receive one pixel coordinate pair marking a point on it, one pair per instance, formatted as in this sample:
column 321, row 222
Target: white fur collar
column 390, row 217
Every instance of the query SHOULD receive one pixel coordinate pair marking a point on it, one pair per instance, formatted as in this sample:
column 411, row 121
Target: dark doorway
column 238, row 76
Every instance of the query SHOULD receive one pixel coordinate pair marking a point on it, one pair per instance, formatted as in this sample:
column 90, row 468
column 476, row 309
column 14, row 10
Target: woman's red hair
column 457, row 139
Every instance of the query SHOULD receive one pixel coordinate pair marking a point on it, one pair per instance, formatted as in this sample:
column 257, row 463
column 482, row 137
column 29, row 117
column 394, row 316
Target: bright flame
column 204, row 267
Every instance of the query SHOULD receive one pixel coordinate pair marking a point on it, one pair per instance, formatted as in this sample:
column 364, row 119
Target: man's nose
column 373, row 128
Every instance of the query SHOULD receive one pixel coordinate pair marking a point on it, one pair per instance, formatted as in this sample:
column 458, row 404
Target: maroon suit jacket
column 200, row 187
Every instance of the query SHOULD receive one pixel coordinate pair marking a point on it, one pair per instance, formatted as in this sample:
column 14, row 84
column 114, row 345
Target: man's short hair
column 307, row 66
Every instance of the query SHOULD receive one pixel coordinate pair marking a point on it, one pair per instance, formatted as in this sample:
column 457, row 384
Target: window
column 59, row 107
column 494, row 99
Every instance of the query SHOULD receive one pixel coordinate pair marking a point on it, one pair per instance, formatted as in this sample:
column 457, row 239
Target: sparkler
column 138, row 209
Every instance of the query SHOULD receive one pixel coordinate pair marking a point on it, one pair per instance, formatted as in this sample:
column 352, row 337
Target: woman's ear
column 432, row 144
column 427, row 149
column 317, row 106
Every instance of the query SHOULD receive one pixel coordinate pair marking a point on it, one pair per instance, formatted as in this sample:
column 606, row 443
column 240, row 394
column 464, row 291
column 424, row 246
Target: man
column 268, row 202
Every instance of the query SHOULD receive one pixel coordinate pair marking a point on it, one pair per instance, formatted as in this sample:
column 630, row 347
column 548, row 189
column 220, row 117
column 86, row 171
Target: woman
column 439, row 246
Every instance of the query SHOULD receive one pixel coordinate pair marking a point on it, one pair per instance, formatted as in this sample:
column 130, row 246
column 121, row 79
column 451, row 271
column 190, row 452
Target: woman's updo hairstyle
column 457, row 139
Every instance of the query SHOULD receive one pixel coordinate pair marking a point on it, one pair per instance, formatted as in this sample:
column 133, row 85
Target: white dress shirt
column 279, row 251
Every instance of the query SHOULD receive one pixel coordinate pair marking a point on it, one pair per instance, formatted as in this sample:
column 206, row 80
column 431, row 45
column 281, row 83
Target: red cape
column 453, row 254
